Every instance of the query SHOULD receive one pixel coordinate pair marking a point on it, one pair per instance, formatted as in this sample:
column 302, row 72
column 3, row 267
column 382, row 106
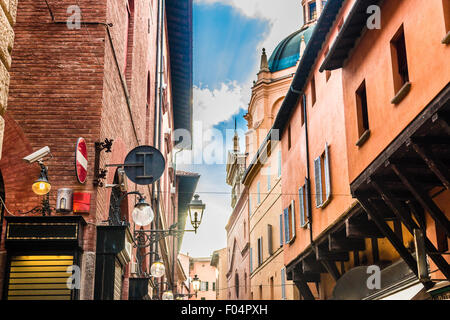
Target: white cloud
column 284, row 17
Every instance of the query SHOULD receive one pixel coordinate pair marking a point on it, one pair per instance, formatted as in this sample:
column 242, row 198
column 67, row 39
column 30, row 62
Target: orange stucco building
column 364, row 133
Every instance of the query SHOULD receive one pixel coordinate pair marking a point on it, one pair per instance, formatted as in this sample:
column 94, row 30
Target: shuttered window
column 322, row 178
column 251, row 260
column 40, row 277
column 279, row 163
column 292, row 219
column 281, row 230
column 258, row 191
column 301, row 203
column 260, row 251
column 286, row 225
column 283, row 284
column 318, row 181
column 269, row 239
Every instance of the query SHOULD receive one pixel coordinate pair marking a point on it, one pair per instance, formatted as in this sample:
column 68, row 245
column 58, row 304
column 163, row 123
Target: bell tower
column 312, row 10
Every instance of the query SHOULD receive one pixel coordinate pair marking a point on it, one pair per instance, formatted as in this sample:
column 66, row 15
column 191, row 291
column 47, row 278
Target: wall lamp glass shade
column 142, row 213
column 196, row 283
column 168, row 295
column 41, row 186
column 196, row 208
column 157, row 269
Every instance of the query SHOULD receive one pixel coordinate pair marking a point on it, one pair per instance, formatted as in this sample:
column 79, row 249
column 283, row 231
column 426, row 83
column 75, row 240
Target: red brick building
column 114, row 76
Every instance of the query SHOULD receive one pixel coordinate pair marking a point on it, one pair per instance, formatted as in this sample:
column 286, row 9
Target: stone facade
column 8, row 9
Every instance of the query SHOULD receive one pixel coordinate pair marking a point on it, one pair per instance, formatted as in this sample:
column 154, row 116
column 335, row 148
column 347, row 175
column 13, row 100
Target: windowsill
column 323, row 205
column 363, row 138
column 446, row 39
column 402, row 93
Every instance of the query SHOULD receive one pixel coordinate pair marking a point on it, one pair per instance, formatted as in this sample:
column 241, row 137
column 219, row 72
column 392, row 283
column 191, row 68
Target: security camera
column 38, row 155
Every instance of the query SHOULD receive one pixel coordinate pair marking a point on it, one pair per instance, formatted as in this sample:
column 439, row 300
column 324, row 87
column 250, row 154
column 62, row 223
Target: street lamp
column 41, row 186
column 157, row 269
column 196, row 284
column 142, row 213
column 167, row 295
column 196, row 208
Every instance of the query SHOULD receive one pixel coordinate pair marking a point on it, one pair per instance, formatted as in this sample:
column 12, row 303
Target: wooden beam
column 362, row 230
column 302, row 285
column 312, row 266
column 345, row 244
column 330, row 266
column 418, row 212
column 439, row 169
column 410, row 224
column 424, row 199
column 322, row 254
column 390, row 235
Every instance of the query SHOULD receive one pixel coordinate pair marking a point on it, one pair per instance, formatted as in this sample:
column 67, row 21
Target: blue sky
column 228, row 39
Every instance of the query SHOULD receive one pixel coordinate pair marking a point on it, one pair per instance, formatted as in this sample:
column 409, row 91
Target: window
column 236, row 284
column 271, row 288
column 399, row 60
column 279, row 163
column 281, row 230
column 214, row 286
column 204, row 286
column 289, row 137
column 322, row 178
column 258, row 191
column 283, row 284
column 251, row 260
column 268, row 179
column 260, row 292
column 260, row 252
column 304, row 203
column 313, row 91
column 269, row 239
column 312, row 11
column 361, row 110
column 289, row 223
column 446, row 8
column 303, row 107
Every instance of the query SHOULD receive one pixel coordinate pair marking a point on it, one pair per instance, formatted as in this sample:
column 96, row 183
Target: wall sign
column 81, row 160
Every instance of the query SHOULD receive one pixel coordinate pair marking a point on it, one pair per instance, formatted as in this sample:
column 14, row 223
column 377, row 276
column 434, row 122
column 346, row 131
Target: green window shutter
column 327, row 172
column 292, row 219
column 281, row 230
column 207, row 283
column 301, row 204
column 318, row 181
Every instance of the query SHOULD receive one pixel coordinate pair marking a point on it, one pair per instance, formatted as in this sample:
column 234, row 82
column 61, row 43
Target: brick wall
column 67, row 84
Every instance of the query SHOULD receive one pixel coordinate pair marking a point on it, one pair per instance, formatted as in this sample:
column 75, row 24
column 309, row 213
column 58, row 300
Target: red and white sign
column 81, row 160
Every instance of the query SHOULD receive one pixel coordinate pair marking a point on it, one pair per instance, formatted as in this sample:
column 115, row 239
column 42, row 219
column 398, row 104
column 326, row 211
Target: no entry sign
column 81, row 160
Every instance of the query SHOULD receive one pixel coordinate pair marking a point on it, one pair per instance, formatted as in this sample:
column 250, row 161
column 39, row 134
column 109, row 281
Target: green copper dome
column 287, row 53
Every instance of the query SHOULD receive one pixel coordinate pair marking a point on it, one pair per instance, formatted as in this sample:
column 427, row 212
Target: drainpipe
column 308, row 175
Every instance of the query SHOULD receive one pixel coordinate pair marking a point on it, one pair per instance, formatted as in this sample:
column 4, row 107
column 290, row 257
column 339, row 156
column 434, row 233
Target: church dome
column 287, row 53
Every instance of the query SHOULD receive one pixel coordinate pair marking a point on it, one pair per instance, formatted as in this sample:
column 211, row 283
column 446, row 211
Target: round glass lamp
column 157, row 269
column 41, row 186
column 168, row 295
column 142, row 213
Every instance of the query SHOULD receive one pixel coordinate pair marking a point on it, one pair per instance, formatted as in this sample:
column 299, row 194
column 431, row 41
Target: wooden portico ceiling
column 347, row 237
column 405, row 177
